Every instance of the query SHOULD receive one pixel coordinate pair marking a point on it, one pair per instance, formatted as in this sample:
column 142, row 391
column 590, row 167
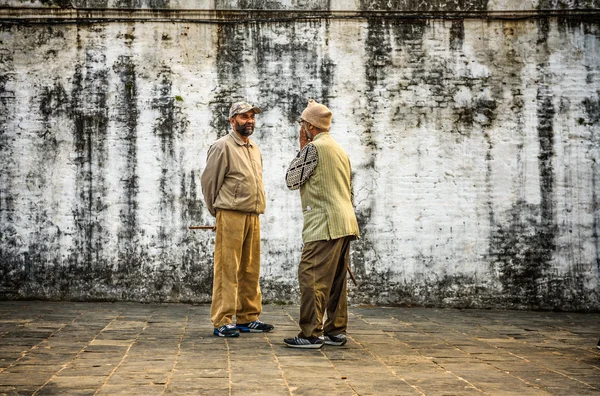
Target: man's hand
column 303, row 138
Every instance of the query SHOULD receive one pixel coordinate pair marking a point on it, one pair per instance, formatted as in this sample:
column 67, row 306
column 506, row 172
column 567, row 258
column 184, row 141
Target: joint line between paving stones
column 229, row 366
column 325, row 356
column 287, row 385
column 383, row 363
column 23, row 354
column 126, row 352
column 339, row 373
column 504, row 350
column 187, row 316
column 64, row 366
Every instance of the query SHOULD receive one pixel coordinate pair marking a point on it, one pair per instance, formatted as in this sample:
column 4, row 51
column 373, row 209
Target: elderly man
column 322, row 172
column 233, row 189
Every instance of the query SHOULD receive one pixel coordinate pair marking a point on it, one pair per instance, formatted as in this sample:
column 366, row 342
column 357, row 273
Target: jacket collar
column 239, row 140
column 321, row 135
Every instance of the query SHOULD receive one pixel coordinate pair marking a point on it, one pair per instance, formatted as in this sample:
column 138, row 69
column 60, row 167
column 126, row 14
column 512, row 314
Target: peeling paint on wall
column 474, row 148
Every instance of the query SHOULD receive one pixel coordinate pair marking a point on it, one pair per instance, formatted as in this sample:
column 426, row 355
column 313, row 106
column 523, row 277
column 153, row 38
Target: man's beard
column 244, row 129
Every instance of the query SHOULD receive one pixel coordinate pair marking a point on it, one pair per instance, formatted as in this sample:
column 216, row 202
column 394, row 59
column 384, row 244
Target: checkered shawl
column 302, row 167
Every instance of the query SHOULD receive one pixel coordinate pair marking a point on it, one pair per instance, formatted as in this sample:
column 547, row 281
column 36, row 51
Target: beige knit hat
column 317, row 114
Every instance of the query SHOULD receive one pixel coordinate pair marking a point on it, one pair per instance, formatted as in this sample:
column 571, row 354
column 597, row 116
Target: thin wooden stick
column 202, row 227
column 351, row 275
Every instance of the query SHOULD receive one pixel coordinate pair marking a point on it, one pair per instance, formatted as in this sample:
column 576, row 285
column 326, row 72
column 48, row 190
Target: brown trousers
column 236, row 269
column 322, row 278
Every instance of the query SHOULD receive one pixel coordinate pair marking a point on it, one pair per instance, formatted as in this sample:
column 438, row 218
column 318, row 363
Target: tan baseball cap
column 242, row 107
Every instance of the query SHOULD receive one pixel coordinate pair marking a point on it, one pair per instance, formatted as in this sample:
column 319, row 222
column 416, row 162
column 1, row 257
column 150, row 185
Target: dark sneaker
column 308, row 343
column 254, row 327
column 598, row 346
column 228, row 330
column 337, row 340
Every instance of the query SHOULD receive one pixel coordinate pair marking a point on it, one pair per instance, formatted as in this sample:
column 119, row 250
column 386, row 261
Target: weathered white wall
column 474, row 143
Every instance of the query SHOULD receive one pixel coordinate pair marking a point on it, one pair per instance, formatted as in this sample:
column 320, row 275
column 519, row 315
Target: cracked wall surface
column 474, row 143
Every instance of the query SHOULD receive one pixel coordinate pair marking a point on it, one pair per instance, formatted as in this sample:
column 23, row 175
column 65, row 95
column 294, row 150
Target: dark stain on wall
column 567, row 4
column 457, row 34
column 379, row 52
column 282, row 67
column 443, row 290
column 42, row 258
column 522, row 251
column 90, row 116
column 197, row 259
column 90, row 3
column 9, row 282
column 302, row 68
column 270, row 5
column 429, row 290
column 167, row 280
column 126, row 120
column 361, row 247
column 171, row 122
column 417, row 5
column 592, row 110
column 169, row 126
column 54, row 102
column 154, row 4
column 480, row 113
column 277, row 292
column 523, row 248
column 57, row 3
column 592, row 120
column 191, row 202
column 230, row 49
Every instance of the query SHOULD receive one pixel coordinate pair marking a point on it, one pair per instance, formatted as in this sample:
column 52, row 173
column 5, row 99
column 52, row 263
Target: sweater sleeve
column 302, row 167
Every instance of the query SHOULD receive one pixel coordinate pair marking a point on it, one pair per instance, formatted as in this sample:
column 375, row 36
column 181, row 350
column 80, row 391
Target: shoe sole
column 336, row 343
column 329, row 341
column 248, row 330
column 308, row 346
column 226, row 335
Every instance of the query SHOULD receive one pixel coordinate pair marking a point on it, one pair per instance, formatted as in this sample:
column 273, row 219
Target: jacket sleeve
column 302, row 167
column 213, row 176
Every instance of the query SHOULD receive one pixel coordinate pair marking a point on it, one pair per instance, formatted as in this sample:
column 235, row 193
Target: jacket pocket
column 315, row 224
column 236, row 191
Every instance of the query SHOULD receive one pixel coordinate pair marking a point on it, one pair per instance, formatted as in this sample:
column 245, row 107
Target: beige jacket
column 232, row 179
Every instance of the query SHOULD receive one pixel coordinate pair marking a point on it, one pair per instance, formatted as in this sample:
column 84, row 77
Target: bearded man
column 233, row 189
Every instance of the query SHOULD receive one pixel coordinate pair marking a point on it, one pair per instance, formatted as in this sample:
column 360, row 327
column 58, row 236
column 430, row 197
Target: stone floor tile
column 20, row 379
column 53, row 391
column 207, row 391
column 128, row 390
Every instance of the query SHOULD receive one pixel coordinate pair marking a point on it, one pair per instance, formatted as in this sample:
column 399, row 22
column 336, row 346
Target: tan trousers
column 322, row 278
column 236, row 269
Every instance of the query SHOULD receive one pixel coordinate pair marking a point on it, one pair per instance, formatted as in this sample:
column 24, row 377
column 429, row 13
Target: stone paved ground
column 56, row 348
